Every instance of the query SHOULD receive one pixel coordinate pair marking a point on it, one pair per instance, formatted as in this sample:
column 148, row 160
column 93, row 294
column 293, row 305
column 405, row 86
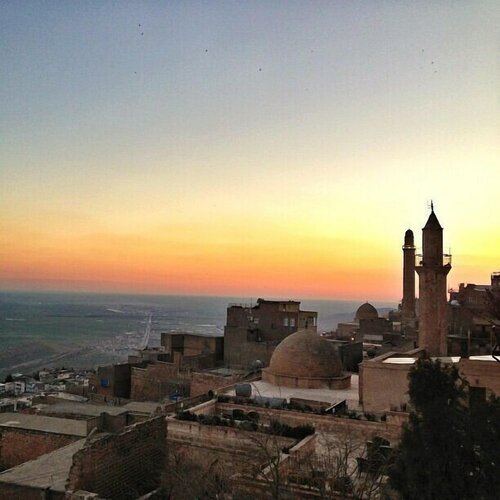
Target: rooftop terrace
column 41, row 423
column 351, row 395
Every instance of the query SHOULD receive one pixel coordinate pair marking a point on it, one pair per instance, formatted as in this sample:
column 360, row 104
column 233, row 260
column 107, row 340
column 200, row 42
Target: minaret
column 432, row 269
column 408, row 302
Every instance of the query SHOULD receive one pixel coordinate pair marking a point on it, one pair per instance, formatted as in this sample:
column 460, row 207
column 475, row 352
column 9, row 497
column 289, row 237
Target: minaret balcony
column 446, row 260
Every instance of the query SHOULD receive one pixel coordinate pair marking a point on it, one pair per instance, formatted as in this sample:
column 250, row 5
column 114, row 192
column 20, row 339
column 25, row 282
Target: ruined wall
column 122, row 466
column 18, row 445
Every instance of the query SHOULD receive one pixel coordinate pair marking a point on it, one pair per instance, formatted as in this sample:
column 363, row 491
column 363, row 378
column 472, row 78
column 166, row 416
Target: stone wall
column 19, row 445
column 383, row 386
column 236, row 449
column 330, row 424
column 124, row 465
column 390, row 429
column 156, row 381
column 202, row 382
column 19, row 492
column 481, row 373
column 342, row 382
column 112, row 380
column 192, row 345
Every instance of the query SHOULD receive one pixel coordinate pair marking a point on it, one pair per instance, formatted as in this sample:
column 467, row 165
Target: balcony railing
column 419, row 260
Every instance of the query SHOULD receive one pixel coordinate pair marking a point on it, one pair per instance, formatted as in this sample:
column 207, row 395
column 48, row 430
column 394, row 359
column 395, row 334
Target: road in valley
column 147, row 331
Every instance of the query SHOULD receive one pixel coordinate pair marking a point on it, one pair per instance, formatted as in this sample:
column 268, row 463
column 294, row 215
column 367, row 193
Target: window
column 292, row 322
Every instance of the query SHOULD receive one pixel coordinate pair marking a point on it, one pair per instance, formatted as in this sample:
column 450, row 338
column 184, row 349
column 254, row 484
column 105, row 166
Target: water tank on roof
column 243, row 390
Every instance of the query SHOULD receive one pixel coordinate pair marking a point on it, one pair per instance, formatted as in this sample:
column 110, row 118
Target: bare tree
column 340, row 467
column 185, row 478
column 267, row 466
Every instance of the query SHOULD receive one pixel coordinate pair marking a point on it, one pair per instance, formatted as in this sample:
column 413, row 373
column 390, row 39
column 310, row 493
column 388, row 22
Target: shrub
column 187, row 415
column 285, row 430
column 239, row 414
column 253, row 416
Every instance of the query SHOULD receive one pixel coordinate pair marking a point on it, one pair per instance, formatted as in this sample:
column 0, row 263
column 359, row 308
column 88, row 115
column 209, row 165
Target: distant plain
column 84, row 330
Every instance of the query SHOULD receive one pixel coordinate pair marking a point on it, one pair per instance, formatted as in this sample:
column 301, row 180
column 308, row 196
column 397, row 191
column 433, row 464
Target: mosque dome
column 305, row 354
column 366, row 311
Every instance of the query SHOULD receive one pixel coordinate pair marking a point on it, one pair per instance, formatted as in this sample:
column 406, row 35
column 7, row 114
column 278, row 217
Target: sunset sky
column 250, row 148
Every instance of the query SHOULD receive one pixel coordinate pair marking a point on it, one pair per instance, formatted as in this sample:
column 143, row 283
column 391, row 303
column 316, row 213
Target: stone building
column 252, row 332
column 308, row 361
column 372, row 328
column 153, row 374
column 383, row 381
column 113, row 380
column 189, row 344
column 367, row 326
column 473, row 318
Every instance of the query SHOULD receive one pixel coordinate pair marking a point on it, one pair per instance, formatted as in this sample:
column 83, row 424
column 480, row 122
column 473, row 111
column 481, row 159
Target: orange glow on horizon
column 209, row 259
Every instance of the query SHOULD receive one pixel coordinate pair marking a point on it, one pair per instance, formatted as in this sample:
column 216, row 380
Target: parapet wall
column 233, row 448
column 389, row 429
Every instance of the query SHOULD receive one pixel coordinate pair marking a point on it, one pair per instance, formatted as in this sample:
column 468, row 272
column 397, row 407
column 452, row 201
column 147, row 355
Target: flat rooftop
column 225, row 372
column 485, row 357
column 42, row 423
column 144, row 407
column 89, row 410
column 47, row 471
column 351, row 395
column 400, row 361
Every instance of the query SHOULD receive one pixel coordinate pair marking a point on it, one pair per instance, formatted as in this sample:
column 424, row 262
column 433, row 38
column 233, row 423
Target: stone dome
column 366, row 311
column 305, row 354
